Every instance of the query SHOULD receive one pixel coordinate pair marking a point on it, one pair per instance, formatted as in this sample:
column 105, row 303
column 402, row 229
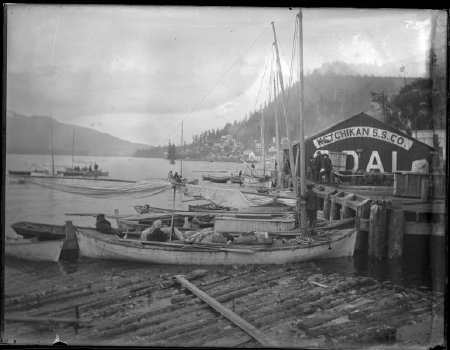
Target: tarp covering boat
column 103, row 189
column 233, row 197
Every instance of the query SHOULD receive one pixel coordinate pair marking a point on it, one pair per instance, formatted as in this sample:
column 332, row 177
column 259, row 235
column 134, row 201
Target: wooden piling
column 326, row 206
column 362, row 227
column 70, row 248
column 346, row 211
column 396, row 228
column 334, row 209
column 378, row 234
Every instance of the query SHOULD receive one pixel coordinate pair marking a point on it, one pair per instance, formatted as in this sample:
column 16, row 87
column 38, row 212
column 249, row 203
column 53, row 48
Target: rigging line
column 223, row 76
column 292, row 62
column 262, row 80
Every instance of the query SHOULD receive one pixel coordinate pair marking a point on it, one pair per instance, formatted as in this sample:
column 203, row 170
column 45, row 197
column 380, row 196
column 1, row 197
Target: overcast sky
column 136, row 72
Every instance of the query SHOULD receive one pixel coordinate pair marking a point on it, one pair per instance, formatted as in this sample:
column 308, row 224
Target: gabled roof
column 362, row 116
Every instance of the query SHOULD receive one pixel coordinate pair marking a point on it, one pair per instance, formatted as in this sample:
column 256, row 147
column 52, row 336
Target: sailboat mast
column 73, row 145
column 263, row 146
column 181, row 151
column 291, row 153
column 53, row 151
column 277, row 132
column 302, row 124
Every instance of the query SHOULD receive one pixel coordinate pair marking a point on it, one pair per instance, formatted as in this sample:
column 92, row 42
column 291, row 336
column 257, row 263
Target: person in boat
column 95, row 167
column 326, row 168
column 90, row 168
column 312, row 205
column 191, row 222
column 154, row 233
column 176, row 177
column 170, row 176
column 240, row 173
column 104, row 226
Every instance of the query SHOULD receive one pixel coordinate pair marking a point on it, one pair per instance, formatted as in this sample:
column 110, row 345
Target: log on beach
column 288, row 305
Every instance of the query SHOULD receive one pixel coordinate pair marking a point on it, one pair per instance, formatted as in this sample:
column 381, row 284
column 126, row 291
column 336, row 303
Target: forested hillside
column 329, row 98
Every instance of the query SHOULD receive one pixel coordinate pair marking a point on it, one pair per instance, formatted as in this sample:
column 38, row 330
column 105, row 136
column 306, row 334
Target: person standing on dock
column 326, row 168
column 312, row 205
column 316, row 164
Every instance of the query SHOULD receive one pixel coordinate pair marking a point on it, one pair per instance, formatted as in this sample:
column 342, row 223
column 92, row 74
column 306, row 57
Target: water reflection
column 404, row 272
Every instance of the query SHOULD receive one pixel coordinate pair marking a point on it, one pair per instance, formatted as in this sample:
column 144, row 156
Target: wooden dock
column 286, row 306
column 385, row 222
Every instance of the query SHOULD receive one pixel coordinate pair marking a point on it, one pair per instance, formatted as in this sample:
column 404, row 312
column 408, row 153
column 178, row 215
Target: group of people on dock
column 320, row 166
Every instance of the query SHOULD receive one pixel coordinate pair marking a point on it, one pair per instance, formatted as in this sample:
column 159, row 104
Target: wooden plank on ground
column 237, row 320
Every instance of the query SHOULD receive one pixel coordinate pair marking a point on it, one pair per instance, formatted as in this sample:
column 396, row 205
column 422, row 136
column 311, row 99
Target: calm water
column 28, row 202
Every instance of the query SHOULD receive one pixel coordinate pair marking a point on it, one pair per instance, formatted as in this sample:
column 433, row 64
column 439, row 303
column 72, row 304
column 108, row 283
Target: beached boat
column 34, row 250
column 93, row 244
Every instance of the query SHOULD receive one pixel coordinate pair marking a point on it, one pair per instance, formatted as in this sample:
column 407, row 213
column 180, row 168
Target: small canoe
column 219, row 179
column 96, row 245
column 34, row 250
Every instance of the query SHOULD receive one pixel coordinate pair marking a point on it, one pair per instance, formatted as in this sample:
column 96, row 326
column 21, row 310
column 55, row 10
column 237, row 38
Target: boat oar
column 173, row 212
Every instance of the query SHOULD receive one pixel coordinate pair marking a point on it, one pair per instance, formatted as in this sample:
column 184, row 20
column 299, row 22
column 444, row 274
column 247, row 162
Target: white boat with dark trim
column 96, row 245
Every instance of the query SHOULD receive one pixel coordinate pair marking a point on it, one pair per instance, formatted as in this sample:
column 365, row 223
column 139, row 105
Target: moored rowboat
column 96, row 245
column 43, row 232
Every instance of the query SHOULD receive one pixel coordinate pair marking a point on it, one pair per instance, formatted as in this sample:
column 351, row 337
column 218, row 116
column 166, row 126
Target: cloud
column 148, row 67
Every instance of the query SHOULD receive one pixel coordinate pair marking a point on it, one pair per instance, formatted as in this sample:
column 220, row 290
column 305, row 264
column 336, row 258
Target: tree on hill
column 410, row 109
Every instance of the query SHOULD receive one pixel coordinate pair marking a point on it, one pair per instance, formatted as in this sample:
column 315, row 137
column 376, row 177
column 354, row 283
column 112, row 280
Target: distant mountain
column 32, row 135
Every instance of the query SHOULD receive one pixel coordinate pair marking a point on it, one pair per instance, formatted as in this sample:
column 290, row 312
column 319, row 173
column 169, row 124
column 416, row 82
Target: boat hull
column 43, row 232
column 34, row 250
column 96, row 245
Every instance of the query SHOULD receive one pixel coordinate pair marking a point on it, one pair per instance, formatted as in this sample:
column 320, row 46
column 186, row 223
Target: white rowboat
column 93, row 244
column 29, row 249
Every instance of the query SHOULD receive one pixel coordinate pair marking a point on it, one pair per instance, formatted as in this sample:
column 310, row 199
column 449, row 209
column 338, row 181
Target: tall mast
column 181, row 151
column 291, row 153
column 263, row 147
column 277, row 132
column 53, row 151
column 73, row 145
column 302, row 124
